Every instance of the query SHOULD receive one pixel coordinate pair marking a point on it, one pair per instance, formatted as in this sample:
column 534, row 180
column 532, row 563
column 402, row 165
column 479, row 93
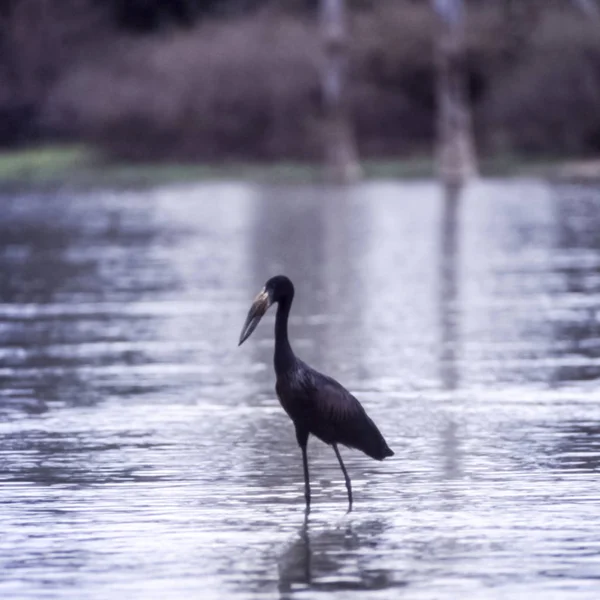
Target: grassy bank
column 78, row 167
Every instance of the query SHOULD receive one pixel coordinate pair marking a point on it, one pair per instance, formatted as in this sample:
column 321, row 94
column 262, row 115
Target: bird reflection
column 449, row 254
column 332, row 559
column 295, row 562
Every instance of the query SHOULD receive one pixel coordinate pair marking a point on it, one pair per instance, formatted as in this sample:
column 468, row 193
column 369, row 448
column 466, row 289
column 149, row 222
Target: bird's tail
column 383, row 451
column 388, row 452
column 372, row 442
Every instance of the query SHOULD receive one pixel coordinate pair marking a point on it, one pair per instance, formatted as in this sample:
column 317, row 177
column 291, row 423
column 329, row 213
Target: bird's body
column 316, row 403
column 320, row 406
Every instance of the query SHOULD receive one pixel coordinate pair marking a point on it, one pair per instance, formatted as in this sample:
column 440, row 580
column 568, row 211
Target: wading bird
column 317, row 404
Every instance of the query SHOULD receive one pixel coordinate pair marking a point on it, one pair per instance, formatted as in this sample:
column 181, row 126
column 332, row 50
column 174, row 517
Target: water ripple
column 144, row 455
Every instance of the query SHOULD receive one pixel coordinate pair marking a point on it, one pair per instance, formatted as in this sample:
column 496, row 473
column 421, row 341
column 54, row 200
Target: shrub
column 249, row 87
column 219, row 91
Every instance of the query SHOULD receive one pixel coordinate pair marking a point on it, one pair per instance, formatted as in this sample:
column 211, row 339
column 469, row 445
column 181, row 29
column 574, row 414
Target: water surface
column 144, row 455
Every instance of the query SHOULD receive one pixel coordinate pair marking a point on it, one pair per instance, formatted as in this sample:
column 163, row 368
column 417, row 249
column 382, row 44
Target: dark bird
column 317, row 404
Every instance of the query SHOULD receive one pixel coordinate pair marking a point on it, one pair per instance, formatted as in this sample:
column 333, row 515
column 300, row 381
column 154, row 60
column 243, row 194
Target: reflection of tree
column 449, row 325
column 577, row 223
column 448, row 286
column 578, row 447
column 343, row 281
column 332, row 560
column 315, row 236
column 287, row 238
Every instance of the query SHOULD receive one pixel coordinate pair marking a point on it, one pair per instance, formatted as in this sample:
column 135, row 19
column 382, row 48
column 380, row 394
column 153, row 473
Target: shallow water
column 144, row 455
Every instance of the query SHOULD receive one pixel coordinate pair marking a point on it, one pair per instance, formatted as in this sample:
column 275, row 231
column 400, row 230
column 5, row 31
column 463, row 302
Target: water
column 144, row 455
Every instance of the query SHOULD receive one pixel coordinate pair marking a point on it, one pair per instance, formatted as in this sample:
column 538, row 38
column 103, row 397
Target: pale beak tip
column 257, row 310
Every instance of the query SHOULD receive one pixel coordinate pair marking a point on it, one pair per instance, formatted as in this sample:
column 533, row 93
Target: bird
column 317, row 404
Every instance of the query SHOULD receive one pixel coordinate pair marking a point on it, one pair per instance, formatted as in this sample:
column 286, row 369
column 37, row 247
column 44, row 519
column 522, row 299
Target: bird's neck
column 284, row 356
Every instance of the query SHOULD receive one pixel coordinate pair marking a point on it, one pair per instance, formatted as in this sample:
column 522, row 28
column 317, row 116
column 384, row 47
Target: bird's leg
column 348, row 484
column 302, row 437
column 306, row 479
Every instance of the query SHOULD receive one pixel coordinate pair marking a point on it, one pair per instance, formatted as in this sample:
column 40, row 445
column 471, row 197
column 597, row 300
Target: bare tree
column 589, row 8
column 340, row 147
column 455, row 148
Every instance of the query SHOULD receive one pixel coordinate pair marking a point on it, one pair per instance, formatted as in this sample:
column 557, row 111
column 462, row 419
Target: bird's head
column 276, row 289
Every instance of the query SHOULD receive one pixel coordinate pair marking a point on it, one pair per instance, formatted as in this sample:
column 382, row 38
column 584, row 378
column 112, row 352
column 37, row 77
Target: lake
column 143, row 454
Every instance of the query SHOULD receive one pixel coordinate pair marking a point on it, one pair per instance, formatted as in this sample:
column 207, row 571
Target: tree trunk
column 455, row 145
column 341, row 155
column 589, row 8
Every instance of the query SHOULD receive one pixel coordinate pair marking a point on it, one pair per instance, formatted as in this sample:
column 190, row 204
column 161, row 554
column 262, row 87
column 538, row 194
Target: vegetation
column 77, row 167
column 245, row 86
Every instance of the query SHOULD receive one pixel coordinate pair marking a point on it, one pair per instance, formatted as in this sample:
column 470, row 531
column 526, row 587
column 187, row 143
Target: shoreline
column 78, row 167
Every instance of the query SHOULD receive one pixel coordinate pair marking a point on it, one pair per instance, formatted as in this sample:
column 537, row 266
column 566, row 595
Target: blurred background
column 222, row 81
column 426, row 173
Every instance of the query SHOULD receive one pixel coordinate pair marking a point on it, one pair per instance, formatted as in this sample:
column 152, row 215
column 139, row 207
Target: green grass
column 40, row 164
column 78, row 166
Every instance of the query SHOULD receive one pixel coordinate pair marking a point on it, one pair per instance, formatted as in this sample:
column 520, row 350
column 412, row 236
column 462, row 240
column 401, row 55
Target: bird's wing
column 333, row 405
column 338, row 417
column 335, row 402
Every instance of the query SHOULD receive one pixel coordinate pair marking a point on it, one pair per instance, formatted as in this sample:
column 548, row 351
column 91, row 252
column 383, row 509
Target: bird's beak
column 255, row 314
